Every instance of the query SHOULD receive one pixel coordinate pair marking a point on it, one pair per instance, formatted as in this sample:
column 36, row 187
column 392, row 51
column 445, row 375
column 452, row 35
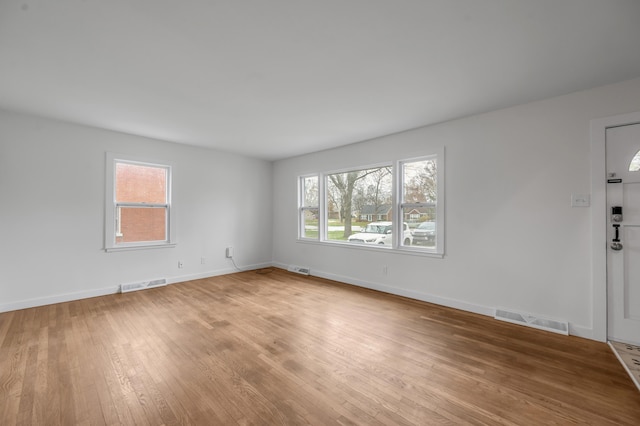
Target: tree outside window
column 354, row 195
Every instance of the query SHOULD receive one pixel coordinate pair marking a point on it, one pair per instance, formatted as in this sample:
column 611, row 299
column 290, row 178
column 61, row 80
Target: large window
column 138, row 204
column 355, row 198
column 397, row 207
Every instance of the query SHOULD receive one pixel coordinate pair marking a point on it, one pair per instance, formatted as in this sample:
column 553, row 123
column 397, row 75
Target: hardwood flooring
column 277, row 348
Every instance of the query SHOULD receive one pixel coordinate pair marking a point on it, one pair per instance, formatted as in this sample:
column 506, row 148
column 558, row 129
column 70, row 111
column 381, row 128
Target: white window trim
column 111, row 208
column 396, row 247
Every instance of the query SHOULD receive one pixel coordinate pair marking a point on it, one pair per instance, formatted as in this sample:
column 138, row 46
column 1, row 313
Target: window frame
column 397, row 197
column 302, row 208
column 113, row 208
column 401, row 204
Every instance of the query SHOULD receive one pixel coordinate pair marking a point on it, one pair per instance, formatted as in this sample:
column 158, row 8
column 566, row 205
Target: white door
column 623, row 235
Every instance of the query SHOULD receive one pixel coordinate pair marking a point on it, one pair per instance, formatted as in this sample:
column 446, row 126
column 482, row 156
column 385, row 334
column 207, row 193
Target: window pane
column 310, row 191
column 419, row 197
column 310, row 229
column 356, row 199
column 142, row 224
column 416, row 215
column 419, row 179
column 634, row 166
column 140, row 184
column 424, row 229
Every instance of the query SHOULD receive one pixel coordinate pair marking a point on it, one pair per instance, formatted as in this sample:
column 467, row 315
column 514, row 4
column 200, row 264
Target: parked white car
column 380, row 233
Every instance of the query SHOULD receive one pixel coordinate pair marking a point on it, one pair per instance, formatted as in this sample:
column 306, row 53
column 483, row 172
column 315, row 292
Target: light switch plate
column 580, row 200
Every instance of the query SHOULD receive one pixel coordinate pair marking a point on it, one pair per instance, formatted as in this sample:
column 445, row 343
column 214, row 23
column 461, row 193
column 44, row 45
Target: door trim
column 599, row 218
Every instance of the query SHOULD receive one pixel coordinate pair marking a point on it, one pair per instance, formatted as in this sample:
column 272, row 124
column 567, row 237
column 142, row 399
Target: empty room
column 363, row 212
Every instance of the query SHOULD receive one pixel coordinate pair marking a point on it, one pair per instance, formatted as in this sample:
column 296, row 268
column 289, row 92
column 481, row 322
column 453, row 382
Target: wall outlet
column 203, row 260
column 180, row 264
column 229, row 252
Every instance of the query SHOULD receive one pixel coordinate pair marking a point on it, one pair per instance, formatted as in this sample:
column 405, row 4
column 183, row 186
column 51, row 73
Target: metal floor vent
column 126, row 288
column 560, row 327
column 304, row 270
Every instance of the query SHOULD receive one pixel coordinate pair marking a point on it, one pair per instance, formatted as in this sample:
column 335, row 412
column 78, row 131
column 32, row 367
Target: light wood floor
column 278, row 348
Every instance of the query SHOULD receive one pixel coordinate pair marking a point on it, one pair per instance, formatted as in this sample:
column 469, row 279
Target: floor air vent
column 560, row 327
column 299, row 269
column 126, row 288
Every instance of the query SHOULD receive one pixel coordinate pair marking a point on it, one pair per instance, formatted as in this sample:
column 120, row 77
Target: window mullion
column 414, row 205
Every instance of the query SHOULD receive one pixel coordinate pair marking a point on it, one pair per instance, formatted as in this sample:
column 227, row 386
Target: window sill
column 129, row 247
column 411, row 251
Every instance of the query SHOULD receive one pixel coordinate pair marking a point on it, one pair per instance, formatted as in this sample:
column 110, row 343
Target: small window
column 634, row 166
column 309, row 207
column 138, row 204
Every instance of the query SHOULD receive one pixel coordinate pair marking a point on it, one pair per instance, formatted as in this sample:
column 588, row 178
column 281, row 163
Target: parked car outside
column 380, row 233
column 425, row 233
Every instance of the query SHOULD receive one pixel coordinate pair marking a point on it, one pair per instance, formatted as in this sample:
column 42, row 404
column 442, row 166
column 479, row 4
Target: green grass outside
column 332, row 235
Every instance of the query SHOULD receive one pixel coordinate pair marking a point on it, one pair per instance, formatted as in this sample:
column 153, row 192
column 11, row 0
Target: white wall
column 512, row 238
column 52, row 186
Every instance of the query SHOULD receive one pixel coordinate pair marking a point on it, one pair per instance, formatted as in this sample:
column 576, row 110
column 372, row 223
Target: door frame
column 599, row 246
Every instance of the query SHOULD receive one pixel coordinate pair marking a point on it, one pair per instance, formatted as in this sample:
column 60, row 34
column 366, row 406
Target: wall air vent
column 126, row 288
column 303, row 270
column 560, row 327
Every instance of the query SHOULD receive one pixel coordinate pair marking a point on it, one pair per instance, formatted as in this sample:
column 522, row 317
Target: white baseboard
column 574, row 330
column 209, row 274
column 584, row 332
column 68, row 297
column 200, row 275
column 58, row 298
column 280, row 265
column 430, row 298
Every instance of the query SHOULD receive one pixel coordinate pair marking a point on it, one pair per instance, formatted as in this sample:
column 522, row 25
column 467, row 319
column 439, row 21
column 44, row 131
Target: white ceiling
column 278, row 78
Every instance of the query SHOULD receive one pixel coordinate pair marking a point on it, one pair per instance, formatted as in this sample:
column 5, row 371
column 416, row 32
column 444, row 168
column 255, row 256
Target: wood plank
column 280, row 348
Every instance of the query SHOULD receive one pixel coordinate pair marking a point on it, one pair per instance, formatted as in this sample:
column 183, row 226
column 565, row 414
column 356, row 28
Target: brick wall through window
column 141, row 184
